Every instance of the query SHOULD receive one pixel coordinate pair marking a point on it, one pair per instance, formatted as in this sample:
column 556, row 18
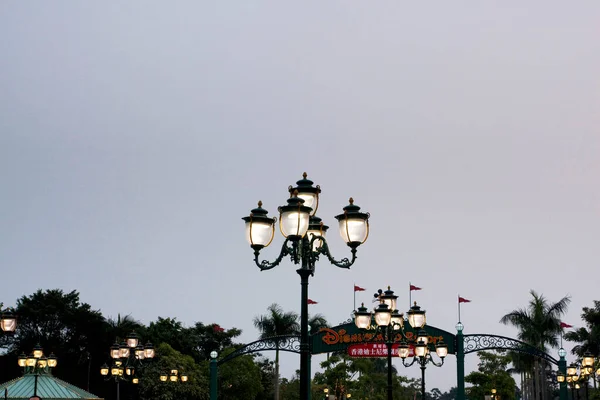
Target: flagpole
column 458, row 308
column 354, row 290
column 409, row 296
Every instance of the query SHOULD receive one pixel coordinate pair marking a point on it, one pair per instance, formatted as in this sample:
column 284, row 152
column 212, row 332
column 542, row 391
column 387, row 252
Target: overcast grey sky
column 135, row 135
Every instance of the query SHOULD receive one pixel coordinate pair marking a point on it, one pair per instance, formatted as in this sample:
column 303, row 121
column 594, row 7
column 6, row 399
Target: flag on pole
column 217, row 328
column 565, row 325
column 463, row 300
column 358, row 289
column 311, row 302
column 413, row 287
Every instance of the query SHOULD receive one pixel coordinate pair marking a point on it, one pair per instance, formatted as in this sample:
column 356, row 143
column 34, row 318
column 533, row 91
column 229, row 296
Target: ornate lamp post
column 304, row 242
column 127, row 356
column 390, row 329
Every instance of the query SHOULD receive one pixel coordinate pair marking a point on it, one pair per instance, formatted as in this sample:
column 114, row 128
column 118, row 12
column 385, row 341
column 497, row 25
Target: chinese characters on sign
column 375, row 350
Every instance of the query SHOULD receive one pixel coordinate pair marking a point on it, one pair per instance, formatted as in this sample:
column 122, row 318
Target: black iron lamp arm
column 324, row 249
column 266, row 265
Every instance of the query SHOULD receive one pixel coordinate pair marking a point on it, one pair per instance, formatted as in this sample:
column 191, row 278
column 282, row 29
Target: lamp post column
column 422, row 380
column 213, row 378
column 562, row 368
column 304, row 273
column 460, row 363
column 118, row 391
column 389, row 369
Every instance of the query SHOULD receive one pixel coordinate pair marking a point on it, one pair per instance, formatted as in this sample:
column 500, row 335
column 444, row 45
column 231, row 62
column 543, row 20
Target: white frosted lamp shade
column 362, row 317
column 31, row 361
column 353, row 230
column 115, row 351
column 293, row 223
column 104, row 370
column 124, row 351
column 164, row 377
column 135, row 381
column 132, row 340
column 572, row 370
column 420, row 349
column 114, row 371
column 383, row 315
column 354, row 225
column 149, row 351
column 52, row 360
column 38, row 352
column 260, row 229
column 588, row 360
column 139, row 352
column 397, row 320
column 416, row 316
column 184, row 378
column 259, row 233
column 403, row 350
column 22, row 360
column 8, row 322
column 441, row 349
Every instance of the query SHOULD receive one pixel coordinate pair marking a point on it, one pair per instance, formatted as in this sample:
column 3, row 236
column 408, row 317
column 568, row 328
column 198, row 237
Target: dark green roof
column 48, row 388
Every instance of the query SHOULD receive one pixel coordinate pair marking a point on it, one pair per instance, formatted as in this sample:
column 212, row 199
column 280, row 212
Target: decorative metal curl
column 343, row 263
column 266, row 265
column 289, row 343
column 476, row 342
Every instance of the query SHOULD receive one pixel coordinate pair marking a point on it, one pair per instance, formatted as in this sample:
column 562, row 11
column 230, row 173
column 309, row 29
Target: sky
column 134, row 136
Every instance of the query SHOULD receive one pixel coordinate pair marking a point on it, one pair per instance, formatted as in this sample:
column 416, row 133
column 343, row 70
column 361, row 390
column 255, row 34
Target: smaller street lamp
column 37, row 362
column 127, row 356
column 390, row 327
column 173, row 375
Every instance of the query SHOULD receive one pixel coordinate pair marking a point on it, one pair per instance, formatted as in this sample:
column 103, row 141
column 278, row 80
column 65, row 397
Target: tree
column 277, row 323
column 588, row 338
column 167, row 359
column 239, row 378
column 492, row 373
column 212, row 337
column 539, row 326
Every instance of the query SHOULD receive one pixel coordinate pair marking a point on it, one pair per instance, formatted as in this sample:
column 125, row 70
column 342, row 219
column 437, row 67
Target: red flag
column 413, row 287
column 463, row 300
column 564, row 325
column 312, row 302
column 217, row 328
column 358, row 289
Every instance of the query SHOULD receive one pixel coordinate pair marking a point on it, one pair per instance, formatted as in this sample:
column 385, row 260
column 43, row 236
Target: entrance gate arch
column 340, row 337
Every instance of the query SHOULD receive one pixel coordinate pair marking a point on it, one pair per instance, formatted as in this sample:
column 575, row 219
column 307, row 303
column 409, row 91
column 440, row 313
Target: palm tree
column 276, row 323
column 316, row 322
column 539, row 326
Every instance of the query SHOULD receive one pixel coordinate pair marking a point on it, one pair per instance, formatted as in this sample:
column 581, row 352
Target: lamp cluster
column 297, row 219
column 579, row 372
column 125, row 355
column 173, row 376
column 389, row 320
column 8, row 321
column 37, row 362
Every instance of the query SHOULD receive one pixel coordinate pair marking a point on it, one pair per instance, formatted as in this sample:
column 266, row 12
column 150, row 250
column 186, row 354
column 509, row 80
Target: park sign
column 342, row 337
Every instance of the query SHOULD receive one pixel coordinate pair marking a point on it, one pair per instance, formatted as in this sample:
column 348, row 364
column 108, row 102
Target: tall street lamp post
column 390, row 329
column 305, row 242
column 127, row 356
